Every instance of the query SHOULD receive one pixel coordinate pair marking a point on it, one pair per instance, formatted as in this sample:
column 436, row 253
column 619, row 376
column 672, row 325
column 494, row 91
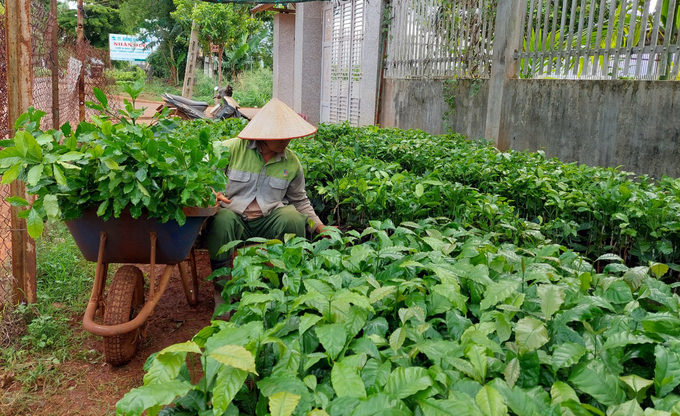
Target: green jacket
column 274, row 184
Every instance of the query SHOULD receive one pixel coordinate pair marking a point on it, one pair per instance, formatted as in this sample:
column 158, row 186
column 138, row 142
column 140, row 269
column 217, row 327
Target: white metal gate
column 342, row 58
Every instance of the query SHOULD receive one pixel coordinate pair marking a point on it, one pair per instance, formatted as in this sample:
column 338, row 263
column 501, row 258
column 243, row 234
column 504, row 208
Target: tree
column 153, row 19
column 101, row 18
column 221, row 24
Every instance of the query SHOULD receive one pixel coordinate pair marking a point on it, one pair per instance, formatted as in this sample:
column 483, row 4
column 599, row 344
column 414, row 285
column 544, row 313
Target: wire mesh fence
column 6, row 277
column 70, row 58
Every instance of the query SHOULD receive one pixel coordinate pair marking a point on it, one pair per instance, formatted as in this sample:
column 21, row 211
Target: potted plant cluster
column 134, row 182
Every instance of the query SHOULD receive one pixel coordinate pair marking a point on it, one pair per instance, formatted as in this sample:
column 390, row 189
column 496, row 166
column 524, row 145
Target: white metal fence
column 599, row 39
column 572, row 39
column 346, row 70
column 440, row 38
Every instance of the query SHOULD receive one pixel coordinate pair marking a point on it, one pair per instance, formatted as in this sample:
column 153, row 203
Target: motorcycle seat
column 199, row 105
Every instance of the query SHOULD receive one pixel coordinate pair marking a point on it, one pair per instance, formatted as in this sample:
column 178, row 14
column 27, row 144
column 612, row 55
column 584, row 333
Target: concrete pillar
column 284, row 57
column 504, row 67
column 371, row 61
column 308, row 62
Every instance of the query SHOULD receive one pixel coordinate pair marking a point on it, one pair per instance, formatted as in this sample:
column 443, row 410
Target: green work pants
column 226, row 226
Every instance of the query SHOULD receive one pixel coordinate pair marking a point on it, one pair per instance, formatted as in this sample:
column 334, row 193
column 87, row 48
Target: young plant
column 111, row 167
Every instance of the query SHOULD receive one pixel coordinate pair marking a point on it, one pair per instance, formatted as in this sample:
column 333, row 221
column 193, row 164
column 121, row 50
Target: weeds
column 35, row 339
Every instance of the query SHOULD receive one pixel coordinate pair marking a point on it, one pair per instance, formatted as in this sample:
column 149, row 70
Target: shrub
column 254, row 88
column 127, row 76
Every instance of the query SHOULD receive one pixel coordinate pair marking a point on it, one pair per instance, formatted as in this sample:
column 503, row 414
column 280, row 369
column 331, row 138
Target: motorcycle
column 187, row 109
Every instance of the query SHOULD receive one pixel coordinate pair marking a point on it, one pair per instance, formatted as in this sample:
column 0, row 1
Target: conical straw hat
column 276, row 121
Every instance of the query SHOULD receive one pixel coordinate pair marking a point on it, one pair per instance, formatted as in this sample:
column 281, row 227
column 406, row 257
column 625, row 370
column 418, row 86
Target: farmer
column 265, row 196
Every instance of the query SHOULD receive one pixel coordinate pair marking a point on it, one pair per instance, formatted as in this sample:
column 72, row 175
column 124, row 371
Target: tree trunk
column 173, row 67
column 219, row 66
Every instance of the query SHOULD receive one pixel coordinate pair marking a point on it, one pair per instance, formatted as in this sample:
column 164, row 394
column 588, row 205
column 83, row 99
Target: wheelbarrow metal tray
column 128, row 239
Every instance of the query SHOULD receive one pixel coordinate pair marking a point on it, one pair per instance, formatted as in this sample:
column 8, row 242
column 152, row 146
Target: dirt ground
column 88, row 386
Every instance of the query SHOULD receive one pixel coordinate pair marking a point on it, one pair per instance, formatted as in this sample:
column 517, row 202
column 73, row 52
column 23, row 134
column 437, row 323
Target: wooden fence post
column 504, row 67
column 20, row 97
column 80, row 32
column 54, row 56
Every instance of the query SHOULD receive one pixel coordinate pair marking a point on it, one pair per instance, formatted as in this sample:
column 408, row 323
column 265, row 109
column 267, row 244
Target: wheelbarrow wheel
column 124, row 301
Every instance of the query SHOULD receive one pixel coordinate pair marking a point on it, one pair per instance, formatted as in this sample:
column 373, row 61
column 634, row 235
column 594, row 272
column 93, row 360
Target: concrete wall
column 421, row 104
column 631, row 124
column 284, row 57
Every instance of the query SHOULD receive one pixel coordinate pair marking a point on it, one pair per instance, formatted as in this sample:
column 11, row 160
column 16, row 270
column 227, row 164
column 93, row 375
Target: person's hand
column 324, row 231
column 221, row 198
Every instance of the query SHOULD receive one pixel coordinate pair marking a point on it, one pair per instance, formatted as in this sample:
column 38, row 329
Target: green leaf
column 307, row 321
column 17, row 201
column 662, row 323
column 142, row 398
column 347, row 381
column 111, row 164
column 490, row 402
column 51, row 206
column 552, row 298
column 34, row 174
column 432, row 407
column 635, row 276
column 619, row 292
column 629, row 408
column 567, row 354
column 34, row 223
column 102, row 208
column 530, row 334
column 477, row 356
column 610, row 257
column 11, row 174
column 659, row 269
column 333, row 338
column 498, row 292
column 283, row 403
column 561, row 392
column 511, row 372
column 621, row 339
column 165, row 367
column 235, row 356
column 227, row 247
column 188, row 346
column 637, row 384
column 33, row 150
column 20, row 142
column 405, row 382
column 101, row 97
column 397, row 338
column 228, row 383
column 380, row 293
column 420, row 190
column 58, row 175
column 595, row 379
column 667, row 371
column 310, row 381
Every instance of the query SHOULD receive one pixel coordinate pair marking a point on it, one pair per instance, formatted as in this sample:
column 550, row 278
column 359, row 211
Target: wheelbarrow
column 138, row 241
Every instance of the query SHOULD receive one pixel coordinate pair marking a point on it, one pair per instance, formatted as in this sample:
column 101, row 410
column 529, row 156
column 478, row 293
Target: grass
column 251, row 89
column 41, row 333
